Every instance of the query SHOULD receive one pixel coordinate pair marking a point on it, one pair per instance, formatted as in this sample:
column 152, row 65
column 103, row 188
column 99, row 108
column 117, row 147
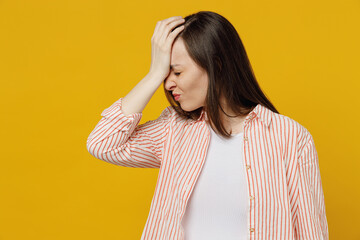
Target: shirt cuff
column 121, row 122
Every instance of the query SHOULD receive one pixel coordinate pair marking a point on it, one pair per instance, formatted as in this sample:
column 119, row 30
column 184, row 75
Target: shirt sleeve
column 311, row 215
column 119, row 140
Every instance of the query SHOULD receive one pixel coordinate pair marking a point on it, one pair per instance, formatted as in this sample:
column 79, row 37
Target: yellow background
column 63, row 62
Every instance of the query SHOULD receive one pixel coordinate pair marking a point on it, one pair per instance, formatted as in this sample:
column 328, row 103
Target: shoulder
column 291, row 128
column 289, row 123
column 170, row 114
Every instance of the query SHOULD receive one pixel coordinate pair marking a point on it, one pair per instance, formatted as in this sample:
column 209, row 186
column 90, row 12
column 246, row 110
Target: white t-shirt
column 219, row 203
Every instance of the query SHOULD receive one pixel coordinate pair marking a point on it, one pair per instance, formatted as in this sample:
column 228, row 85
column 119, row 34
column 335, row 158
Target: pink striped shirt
column 282, row 168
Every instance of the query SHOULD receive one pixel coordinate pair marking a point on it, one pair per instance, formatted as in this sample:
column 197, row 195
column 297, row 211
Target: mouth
column 177, row 97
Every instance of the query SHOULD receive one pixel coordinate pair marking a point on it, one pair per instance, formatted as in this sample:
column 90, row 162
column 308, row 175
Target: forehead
column 179, row 53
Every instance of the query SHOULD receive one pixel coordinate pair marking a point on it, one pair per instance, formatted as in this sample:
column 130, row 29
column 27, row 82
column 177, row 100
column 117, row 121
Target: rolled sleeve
column 119, row 121
column 120, row 140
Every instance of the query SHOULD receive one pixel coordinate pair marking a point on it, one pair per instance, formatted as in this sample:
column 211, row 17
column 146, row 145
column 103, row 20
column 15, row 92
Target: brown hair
column 214, row 44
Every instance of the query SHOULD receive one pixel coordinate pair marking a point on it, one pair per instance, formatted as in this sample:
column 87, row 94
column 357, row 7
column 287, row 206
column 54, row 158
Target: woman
column 231, row 166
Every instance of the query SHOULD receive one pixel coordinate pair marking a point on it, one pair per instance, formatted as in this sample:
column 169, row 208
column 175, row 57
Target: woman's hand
column 161, row 44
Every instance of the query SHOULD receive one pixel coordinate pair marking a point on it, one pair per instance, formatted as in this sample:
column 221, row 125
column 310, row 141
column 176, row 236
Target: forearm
column 136, row 100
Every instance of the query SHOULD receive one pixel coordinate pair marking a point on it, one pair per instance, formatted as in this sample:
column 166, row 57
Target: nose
column 170, row 83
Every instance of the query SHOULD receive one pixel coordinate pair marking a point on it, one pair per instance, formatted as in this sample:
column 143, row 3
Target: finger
column 173, row 34
column 156, row 29
column 173, row 24
column 163, row 22
column 166, row 30
column 170, row 19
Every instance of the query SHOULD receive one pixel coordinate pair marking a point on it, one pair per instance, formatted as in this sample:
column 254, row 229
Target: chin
column 184, row 108
column 188, row 108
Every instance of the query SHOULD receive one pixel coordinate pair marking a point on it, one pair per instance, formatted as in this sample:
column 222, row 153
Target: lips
column 176, row 96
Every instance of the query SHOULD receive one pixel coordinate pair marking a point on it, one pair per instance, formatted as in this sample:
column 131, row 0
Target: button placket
column 248, row 167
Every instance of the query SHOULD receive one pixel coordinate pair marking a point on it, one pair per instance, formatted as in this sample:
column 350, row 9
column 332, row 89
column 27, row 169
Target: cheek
column 193, row 89
column 201, row 86
column 196, row 85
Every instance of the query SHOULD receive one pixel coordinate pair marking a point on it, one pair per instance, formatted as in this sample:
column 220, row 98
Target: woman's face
column 186, row 78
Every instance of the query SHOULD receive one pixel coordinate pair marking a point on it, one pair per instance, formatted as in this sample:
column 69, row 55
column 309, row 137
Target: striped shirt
column 286, row 199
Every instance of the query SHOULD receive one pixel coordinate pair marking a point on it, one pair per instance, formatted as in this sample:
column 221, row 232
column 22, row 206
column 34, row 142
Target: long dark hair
column 214, row 44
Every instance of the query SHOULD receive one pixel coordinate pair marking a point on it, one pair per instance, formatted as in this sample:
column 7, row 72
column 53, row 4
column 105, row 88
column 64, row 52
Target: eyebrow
column 171, row 66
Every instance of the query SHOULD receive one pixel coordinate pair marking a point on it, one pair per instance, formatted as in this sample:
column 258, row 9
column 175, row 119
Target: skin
column 191, row 82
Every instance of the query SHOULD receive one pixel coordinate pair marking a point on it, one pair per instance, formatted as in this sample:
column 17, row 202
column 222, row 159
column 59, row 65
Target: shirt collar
column 261, row 112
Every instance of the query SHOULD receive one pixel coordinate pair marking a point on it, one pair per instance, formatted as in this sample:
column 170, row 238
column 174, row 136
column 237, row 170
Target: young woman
column 231, row 167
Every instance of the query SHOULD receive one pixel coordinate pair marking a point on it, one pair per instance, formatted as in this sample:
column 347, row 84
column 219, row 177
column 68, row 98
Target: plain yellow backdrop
column 63, row 62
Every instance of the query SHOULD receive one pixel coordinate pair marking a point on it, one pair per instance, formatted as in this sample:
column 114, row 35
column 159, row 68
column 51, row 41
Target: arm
column 311, row 222
column 118, row 139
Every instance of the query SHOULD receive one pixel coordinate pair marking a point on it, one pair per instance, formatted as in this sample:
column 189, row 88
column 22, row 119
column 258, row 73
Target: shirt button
column 252, row 229
column 245, row 139
column 252, row 197
column 247, row 166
